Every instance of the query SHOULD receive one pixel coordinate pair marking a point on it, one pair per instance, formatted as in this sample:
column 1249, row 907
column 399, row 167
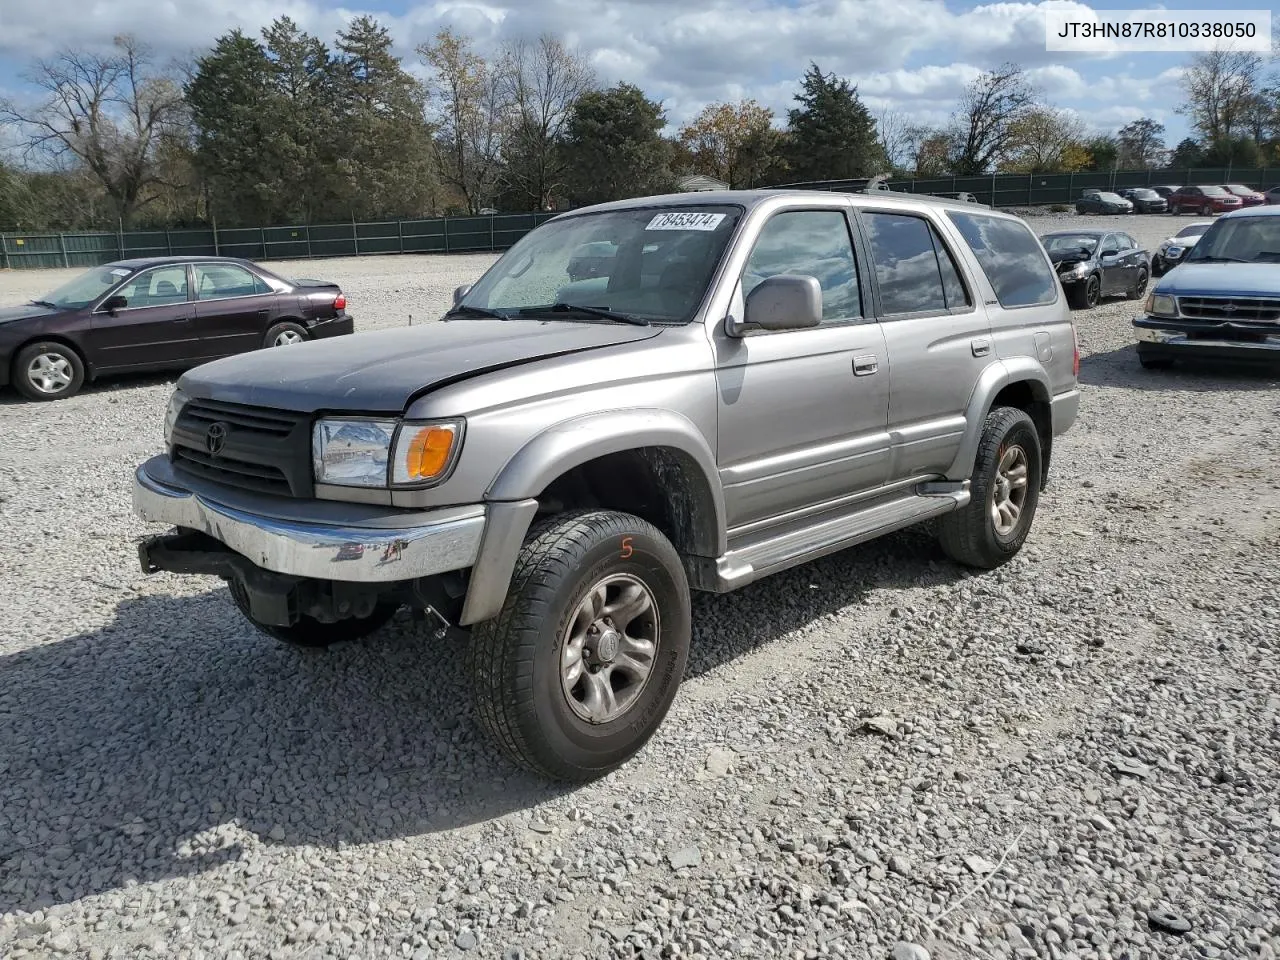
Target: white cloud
column 913, row 56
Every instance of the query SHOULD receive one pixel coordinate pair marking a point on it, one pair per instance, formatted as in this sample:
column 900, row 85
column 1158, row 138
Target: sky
column 912, row 57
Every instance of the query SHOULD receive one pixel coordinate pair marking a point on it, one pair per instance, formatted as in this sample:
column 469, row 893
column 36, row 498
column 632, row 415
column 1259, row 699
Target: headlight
column 1161, row 305
column 382, row 453
column 1078, row 270
column 1173, row 252
column 176, row 403
column 352, row 453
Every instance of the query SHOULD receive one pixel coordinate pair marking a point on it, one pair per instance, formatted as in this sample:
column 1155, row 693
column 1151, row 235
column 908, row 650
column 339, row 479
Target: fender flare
column 994, row 379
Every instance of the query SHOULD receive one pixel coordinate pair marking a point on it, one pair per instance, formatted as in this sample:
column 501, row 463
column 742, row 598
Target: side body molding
column 682, row 460
column 994, row 379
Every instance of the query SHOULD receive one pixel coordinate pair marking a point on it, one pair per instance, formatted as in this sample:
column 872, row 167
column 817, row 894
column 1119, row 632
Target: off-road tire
column 285, row 327
column 515, row 657
column 311, row 634
column 969, row 535
column 20, row 375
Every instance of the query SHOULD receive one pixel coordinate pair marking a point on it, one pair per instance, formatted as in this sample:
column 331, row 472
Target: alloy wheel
column 609, row 648
column 1009, row 492
column 50, row 373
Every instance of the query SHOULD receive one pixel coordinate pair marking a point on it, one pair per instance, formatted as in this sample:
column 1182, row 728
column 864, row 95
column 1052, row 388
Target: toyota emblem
column 215, row 438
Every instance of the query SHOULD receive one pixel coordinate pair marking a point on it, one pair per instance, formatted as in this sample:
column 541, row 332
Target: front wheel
column 1086, row 297
column 1004, row 492
column 312, row 634
column 48, row 371
column 581, row 665
column 1139, row 287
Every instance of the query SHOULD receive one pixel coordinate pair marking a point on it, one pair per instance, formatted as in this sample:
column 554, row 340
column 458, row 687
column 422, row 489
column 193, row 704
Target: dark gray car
column 1093, row 264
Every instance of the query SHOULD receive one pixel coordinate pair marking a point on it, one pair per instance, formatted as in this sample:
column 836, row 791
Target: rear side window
column 1010, row 256
column 914, row 270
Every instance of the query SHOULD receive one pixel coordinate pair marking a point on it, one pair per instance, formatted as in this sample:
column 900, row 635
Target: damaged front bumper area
column 317, row 558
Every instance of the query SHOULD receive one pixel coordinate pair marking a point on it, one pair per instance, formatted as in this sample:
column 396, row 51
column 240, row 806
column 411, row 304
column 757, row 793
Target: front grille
column 268, row 451
column 1236, row 309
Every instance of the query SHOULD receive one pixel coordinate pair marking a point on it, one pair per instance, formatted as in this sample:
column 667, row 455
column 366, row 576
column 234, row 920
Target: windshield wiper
column 480, row 312
column 45, row 303
column 603, row 312
column 1212, row 259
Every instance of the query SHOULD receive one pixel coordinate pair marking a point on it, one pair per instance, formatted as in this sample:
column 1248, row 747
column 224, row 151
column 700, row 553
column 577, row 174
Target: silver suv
column 741, row 382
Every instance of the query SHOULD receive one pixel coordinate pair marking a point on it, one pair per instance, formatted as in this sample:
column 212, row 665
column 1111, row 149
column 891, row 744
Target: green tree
column 230, row 99
column 386, row 154
column 832, row 135
column 1045, row 140
column 1141, row 144
column 733, row 142
column 614, row 147
column 1104, row 153
column 1187, row 155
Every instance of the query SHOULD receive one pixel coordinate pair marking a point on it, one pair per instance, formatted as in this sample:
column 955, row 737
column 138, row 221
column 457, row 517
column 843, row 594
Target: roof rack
column 880, row 184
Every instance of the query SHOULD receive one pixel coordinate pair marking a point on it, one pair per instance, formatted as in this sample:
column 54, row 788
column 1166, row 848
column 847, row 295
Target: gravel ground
column 875, row 755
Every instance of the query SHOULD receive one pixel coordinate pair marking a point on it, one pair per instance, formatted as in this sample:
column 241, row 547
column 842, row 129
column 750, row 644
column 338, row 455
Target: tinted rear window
column 1011, row 258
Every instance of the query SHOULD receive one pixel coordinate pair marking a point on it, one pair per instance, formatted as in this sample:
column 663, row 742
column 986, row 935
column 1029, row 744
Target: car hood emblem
column 215, row 438
column 1229, row 308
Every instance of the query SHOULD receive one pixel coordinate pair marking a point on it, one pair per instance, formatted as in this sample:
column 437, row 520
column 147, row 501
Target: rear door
column 234, row 308
column 154, row 329
column 937, row 337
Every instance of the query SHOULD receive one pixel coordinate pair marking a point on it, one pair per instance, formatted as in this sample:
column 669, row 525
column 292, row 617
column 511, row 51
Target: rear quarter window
column 1010, row 256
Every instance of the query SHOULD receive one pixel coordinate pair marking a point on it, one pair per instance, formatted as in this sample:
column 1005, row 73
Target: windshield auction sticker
column 685, row 221
column 1078, row 28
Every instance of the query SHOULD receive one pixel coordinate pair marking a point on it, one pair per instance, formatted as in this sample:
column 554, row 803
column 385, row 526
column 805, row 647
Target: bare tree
column 107, row 113
column 984, row 123
column 1221, row 86
column 471, row 107
column 898, row 138
column 543, row 81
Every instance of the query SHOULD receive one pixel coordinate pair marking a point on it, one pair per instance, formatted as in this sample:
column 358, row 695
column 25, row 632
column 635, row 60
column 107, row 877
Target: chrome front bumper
column 308, row 538
column 1179, row 340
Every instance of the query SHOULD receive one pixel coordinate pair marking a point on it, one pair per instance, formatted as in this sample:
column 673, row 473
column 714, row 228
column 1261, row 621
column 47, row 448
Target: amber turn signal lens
column 427, row 452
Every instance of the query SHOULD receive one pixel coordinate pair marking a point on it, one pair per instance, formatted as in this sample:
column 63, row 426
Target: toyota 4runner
column 744, row 381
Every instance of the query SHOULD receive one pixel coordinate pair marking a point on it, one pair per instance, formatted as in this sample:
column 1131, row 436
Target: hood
column 382, row 371
column 28, row 311
column 1222, row 280
column 1062, row 257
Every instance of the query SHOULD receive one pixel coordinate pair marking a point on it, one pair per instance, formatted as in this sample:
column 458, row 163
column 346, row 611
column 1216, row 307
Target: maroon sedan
column 160, row 313
column 1248, row 196
column 1205, row 201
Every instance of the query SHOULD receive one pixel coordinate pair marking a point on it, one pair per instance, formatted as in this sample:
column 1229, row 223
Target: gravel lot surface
column 876, row 755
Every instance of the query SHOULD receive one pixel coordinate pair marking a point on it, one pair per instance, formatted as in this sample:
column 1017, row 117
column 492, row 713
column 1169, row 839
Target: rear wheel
column 1004, row 491
column 286, row 334
column 580, row 666
column 1206, row 211
column 48, row 371
column 311, row 634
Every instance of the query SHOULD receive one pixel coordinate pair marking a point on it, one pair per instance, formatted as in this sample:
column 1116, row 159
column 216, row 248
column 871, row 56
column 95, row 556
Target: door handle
column 980, row 348
column 865, row 366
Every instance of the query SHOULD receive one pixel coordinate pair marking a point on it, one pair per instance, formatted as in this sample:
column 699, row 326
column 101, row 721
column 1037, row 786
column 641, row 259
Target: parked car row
column 1206, row 200
column 160, row 313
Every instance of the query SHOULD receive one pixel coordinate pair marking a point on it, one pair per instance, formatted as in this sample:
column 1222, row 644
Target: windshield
column 1239, row 188
column 1214, row 192
column 1244, row 239
column 651, row 263
column 1144, row 194
column 1195, row 230
column 1069, row 243
column 86, row 288
column 1110, row 197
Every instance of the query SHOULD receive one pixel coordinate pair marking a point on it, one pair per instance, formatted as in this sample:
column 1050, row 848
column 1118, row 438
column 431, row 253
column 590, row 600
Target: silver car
column 746, row 382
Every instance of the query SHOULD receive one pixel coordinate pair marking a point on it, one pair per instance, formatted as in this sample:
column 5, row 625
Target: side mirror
column 460, row 292
column 112, row 304
column 786, row 302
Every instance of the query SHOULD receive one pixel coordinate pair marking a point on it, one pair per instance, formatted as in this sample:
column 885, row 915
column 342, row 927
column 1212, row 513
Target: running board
column 771, row 551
